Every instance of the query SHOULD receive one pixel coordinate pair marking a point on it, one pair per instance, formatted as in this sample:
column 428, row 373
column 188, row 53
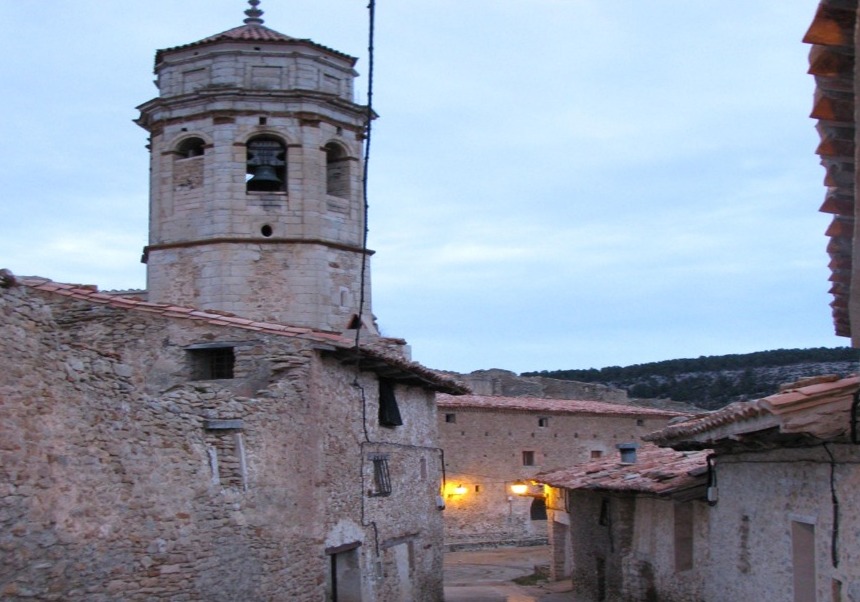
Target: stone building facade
column 130, row 471
column 491, row 443
column 785, row 475
column 239, row 430
column 756, row 501
column 633, row 526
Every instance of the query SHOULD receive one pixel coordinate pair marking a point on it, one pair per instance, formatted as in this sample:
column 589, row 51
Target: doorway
column 345, row 574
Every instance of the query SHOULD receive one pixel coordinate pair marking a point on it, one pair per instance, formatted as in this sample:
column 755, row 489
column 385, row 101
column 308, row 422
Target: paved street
column 486, row 576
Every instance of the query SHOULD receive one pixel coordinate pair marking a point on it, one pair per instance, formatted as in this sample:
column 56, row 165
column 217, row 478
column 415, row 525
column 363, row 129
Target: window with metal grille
column 381, row 476
column 211, row 363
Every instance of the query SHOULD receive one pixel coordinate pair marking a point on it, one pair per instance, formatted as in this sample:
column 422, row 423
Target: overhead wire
column 368, row 130
column 371, row 8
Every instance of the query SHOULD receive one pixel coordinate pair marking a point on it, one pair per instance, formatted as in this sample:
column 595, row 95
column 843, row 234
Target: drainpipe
column 713, row 492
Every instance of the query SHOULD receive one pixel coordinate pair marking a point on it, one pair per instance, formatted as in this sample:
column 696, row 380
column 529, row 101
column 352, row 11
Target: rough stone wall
column 505, row 383
column 297, row 66
column 117, row 482
column 601, row 537
column 484, row 450
column 761, row 494
column 407, row 519
column 284, row 282
column 649, row 570
column 559, row 535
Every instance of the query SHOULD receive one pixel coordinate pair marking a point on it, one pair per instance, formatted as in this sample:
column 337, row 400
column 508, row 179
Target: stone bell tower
column 256, row 204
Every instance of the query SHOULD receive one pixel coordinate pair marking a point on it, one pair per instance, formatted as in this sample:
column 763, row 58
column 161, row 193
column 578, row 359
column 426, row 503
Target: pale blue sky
column 554, row 183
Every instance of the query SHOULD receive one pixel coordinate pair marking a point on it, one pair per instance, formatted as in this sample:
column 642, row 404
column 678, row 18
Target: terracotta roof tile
column 812, row 406
column 656, row 470
column 251, row 32
column 561, row 406
column 831, row 61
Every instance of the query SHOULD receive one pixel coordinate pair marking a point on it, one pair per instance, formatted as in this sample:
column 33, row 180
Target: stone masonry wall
column 602, row 529
column 761, row 496
column 506, row 383
column 484, row 453
column 649, row 567
column 225, row 276
column 123, row 479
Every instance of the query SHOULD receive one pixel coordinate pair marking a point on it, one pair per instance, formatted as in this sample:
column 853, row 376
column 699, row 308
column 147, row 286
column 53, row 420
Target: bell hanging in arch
column 265, row 179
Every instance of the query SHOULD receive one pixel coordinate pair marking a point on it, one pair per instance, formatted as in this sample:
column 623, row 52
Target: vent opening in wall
column 266, row 230
column 211, row 362
column 226, row 450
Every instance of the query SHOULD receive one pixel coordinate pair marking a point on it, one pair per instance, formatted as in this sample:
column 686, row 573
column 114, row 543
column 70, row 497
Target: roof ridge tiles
column 780, row 407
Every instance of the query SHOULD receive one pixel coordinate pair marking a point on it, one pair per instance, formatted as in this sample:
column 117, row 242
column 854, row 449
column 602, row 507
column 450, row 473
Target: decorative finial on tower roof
column 254, row 13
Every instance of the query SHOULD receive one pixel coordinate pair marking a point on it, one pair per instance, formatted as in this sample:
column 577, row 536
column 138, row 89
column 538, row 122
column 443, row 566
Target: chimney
column 628, row 452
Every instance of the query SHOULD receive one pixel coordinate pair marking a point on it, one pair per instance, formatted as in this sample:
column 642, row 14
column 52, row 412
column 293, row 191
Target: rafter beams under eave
column 831, row 62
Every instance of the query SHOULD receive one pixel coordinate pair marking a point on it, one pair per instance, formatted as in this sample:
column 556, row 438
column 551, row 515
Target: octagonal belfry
column 256, row 204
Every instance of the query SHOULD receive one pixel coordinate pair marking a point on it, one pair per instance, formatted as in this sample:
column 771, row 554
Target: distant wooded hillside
column 713, row 381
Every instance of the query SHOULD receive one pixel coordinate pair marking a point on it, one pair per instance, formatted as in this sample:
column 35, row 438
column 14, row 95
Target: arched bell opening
column 266, row 166
column 337, row 174
column 191, row 147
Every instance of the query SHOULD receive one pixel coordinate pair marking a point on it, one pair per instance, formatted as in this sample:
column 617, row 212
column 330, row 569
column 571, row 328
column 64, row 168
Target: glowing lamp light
column 519, row 487
column 460, row 490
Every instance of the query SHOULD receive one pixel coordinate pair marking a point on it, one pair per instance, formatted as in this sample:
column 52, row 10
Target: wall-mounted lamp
column 460, row 490
column 519, row 487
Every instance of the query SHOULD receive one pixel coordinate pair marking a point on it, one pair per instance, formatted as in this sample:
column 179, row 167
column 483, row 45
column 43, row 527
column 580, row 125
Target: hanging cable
column 371, row 10
column 834, row 501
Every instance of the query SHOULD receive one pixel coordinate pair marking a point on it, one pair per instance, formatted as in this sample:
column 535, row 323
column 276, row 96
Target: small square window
column 450, row 418
column 596, row 453
column 528, row 458
column 543, row 422
column 212, row 363
column 640, row 422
